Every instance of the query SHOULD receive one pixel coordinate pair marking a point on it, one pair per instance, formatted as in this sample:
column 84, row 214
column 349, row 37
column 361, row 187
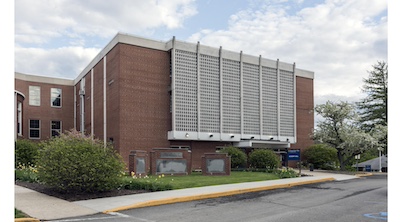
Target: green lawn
column 196, row 179
column 19, row 214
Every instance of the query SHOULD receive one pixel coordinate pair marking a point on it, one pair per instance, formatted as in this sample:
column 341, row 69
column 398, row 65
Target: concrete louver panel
column 220, row 95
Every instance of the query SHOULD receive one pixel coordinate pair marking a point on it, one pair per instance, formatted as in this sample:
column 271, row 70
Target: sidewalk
column 43, row 207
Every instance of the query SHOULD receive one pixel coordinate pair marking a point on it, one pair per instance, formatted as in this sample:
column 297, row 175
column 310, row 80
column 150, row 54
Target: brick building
column 142, row 94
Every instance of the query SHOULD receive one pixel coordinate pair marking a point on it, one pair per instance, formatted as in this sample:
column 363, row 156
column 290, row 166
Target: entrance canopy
column 261, row 144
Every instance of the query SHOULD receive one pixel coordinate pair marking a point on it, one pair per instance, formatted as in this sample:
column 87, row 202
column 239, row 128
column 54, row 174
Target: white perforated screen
column 286, row 103
column 251, row 98
column 223, row 97
column 270, row 101
column 209, row 94
column 230, row 96
column 185, row 91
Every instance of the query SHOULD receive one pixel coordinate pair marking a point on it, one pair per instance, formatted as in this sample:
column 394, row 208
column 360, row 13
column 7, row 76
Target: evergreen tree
column 373, row 108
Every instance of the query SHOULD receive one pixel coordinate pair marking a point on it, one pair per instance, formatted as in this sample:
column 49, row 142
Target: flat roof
column 165, row 46
column 44, row 79
column 158, row 45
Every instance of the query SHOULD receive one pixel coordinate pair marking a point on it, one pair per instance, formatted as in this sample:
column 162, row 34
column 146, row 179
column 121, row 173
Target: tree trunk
column 341, row 161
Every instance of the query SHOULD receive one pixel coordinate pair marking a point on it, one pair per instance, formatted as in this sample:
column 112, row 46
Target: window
column 34, row 95
column 181, row 147
column 55, row 128
column 55, row 97
column 34, row 129
column 19, row 119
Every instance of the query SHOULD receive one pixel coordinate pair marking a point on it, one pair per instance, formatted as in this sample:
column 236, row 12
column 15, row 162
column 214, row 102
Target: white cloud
column 339, row 40
column 51, row 36
column 41, row 20
column 54, row 62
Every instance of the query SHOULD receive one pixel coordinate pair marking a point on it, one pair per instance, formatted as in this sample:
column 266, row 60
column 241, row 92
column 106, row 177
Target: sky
column 339, row 40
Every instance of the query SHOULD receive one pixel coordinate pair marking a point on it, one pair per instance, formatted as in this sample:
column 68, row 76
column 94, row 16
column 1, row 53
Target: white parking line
column 124, row 215
column 115, row 215
column 85, row 219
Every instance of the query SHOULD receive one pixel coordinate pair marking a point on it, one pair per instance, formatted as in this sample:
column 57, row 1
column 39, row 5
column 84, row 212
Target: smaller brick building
column 44, row 106
column 142, row 94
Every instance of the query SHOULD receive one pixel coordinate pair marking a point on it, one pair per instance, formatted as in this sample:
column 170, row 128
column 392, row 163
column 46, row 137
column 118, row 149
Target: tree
column 373, row 108
column 339, row 130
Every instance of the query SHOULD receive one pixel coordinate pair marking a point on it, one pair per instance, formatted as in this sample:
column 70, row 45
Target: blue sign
column 368, row 168
column 293, row 155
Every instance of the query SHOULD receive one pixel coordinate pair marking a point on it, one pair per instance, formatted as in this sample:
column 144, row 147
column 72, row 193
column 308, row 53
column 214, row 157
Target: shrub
column 27, row 174
column 321, row 156
column 264, row 158
column 76, row 163
column 238, row 157
column 285, row 173
column 146, row 183
column 26, row 153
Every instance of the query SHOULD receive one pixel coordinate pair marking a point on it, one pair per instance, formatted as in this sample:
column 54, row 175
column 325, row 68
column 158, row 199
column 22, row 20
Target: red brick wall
column 305, row 114
column 45, row 113
column 198, row 148
column 98, row 99
column 144, row 82
column 113, row 98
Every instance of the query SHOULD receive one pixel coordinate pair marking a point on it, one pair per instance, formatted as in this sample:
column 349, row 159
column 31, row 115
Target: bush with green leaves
column 147, row 183
column 75, row 163
column 321, row 156
column 26, row 174
column 285, row 173
column 264, row 158
column 238, row 157
column 26, row 153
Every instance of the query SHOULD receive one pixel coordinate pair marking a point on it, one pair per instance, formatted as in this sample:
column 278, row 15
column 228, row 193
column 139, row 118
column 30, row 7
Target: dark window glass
column 34, row 123
column 34, row 133
column 55, row 97
column 55, row 128
column 34, row 128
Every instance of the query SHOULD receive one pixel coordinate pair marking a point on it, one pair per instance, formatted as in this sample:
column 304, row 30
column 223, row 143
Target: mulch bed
column 75, row 196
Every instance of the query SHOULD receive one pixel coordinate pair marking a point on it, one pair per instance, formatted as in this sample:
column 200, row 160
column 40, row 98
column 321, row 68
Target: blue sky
column 339, row 40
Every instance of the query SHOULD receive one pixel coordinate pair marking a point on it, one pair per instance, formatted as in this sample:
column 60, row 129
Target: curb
column 364, row 174
column 212, row 195
column 26, row 220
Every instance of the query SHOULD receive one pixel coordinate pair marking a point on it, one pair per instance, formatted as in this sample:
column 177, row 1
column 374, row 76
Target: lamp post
column 357, row 157
column 380, row 159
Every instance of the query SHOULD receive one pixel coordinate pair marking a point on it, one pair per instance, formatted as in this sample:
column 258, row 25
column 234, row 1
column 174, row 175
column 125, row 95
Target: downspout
column 104, row 102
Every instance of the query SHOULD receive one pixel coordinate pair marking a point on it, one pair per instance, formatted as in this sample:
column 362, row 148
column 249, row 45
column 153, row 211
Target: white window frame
column 57, row 130
column 58, row 90
column 30, row 128
column 19, row 118
column 34, row 95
